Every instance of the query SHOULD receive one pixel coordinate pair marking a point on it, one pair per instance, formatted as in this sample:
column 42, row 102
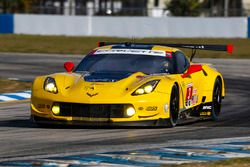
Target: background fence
column 180, row 27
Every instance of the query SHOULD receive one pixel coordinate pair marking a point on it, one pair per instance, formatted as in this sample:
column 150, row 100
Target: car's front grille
column 92, row 110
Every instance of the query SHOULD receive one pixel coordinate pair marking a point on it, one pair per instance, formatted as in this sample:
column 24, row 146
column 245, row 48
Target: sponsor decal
column 206, row 107
column 197, row 46
column 194, row 97
column 189, row 94
column 41, row 106
column 195, row 91
column 169, row 54
column 151, row 108
column 205, row 113
column 131, row 51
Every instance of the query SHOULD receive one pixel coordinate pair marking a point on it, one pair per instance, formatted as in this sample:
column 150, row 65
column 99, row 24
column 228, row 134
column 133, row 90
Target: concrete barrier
column 140, row 27
column 50, row 25
column 169, row 27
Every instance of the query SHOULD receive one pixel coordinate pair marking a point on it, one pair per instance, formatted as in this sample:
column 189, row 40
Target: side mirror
column 192, row 69
column 69, row 66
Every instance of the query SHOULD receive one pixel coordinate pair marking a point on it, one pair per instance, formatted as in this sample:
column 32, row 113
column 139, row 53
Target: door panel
column 191, row 88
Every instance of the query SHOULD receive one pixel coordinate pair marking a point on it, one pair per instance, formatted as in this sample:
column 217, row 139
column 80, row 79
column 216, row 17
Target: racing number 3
column 189, row 95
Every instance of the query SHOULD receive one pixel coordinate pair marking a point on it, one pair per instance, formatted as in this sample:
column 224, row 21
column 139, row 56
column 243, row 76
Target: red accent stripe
column 230, row 48
column 192, row 69
column 99, row 44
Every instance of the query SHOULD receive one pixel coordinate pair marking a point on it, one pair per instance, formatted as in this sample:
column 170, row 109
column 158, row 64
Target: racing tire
column 33, row 122
column 36, row 124
column 173, row 108
column 216, row 100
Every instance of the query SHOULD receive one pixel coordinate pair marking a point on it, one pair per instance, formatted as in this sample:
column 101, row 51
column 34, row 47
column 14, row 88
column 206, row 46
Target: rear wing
column 227, row 48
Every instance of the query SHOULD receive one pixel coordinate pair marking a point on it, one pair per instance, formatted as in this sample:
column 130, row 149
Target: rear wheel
column 217, row 98
column 173, row 107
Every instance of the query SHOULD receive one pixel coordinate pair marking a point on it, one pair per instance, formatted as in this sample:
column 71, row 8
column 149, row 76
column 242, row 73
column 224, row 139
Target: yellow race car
column 131, row 84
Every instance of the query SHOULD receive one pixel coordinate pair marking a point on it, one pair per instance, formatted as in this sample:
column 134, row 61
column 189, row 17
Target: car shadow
column 26, row 123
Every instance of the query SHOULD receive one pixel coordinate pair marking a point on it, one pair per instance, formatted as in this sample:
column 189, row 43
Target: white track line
column 25, row 95
column 5, row 98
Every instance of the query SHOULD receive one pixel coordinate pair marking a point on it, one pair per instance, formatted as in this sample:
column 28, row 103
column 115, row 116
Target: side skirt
column 202, row 111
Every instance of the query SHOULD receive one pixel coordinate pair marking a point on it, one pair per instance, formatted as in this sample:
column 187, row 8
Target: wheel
column 216, row 103
column 33, row 122
column 36, row 124
column 173, row 107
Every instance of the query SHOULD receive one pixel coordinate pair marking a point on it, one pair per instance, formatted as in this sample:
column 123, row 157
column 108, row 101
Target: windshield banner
column 131, row 51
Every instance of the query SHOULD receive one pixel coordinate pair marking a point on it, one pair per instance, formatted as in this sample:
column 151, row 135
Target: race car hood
column 92, row 87
column 105, row 85
column 77, row 87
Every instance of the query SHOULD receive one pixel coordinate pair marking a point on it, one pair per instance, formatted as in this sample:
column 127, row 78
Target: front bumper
column 148, row 123
column 148, row 108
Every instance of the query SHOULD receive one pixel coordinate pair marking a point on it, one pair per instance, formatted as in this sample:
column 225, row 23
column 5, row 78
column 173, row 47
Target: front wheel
column 35, row 123
column 173, row 107
column 217, row 98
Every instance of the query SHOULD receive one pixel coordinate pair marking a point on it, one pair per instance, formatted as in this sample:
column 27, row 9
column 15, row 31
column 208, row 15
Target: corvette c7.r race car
column 131, row 84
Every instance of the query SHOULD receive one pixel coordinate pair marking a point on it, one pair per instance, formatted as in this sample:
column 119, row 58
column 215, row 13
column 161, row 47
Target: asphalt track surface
column 18, row 138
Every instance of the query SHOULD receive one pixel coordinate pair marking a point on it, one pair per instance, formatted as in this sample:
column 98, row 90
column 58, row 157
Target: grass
column 235, row 162
column 82, row 45
column 9, row 86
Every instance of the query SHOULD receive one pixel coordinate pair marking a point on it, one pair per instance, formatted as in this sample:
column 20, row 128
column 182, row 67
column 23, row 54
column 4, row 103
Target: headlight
column 146, row 88
column 56, row 109
column 50, row 85
column 130, row 111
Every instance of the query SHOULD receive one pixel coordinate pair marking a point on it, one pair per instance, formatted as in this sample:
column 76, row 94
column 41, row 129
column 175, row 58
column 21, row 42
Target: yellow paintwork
column 165, row 48
column 73, row 88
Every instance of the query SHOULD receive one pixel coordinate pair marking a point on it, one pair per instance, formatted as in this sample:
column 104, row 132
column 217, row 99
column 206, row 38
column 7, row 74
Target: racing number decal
column 189, row 95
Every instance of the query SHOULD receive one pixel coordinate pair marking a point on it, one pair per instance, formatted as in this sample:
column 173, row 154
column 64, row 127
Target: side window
column 182, row 62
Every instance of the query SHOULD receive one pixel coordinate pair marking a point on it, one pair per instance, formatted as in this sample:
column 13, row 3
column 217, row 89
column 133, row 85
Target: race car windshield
column 126, row 63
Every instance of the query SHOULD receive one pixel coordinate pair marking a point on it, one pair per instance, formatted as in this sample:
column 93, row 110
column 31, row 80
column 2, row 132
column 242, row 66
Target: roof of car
column 146, row 47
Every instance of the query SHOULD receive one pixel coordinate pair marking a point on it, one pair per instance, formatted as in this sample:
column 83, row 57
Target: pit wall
column 139, row 27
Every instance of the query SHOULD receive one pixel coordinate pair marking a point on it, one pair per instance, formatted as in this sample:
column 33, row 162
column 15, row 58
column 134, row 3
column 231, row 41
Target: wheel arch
column 207, row 84
column 181, row 95
column 221, row 80
column 208, row 87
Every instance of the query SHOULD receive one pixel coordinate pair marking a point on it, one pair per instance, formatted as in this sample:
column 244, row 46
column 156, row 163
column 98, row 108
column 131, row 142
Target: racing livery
column 131, row 84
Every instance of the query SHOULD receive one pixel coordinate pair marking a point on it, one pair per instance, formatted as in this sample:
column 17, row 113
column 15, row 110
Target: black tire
column 173, row 107
column 216, row 100
column 33, row 122
column 36, row 124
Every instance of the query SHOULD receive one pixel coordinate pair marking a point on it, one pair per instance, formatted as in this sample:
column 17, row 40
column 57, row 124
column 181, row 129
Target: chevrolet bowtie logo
column 91, row 95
